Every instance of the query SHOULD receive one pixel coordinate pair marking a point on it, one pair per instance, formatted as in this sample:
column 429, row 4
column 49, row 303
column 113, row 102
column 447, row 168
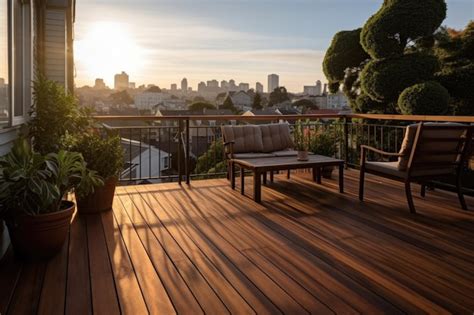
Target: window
column 5, row 104
column 15, row 62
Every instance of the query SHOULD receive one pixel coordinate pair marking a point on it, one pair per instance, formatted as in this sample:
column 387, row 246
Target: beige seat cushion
column 391, row 168
column 285, row 153
column 246, row 138
column 276, row 137
column 243, row 156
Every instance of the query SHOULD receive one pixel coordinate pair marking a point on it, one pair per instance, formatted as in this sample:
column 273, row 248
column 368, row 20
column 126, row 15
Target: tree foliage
column 228, row 104
column 398, row 22
column 257, row 101
column 279, row 95
column 428, row 98
column 384, row 79
column 121, row 98
column 305, row 105
column 344, row 53
column 213, row 160
column 199, row 106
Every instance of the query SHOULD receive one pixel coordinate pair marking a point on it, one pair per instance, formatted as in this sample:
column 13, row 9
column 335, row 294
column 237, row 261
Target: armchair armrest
column 230, row 152
column 365, row 148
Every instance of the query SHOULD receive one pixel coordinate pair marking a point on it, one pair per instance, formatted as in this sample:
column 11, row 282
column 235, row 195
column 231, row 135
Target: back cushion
column 276, row 137
column 407, row 145
column 430, row 146
column 246, row 138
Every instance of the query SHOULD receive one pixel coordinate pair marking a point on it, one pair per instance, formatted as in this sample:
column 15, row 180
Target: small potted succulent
column 322, row 143
column 33, row 188
column 103, row 155
column 301, row 140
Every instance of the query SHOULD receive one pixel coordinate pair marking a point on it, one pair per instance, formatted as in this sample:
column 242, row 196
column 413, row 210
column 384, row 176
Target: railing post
column 180, row 150
column 346, row 141
column 187, row 166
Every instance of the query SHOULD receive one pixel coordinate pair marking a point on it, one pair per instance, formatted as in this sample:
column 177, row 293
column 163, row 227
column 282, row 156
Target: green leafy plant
column 322, row 143
column 34, row 184
column 301, row 136
column 54, row 115
column 103, row 154
column 429, row 98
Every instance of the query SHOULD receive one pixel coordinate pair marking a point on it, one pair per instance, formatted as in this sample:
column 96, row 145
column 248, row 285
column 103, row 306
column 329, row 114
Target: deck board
column 168, row 249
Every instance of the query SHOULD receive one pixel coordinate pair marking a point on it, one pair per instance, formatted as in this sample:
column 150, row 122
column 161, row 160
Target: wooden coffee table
column 261, row 166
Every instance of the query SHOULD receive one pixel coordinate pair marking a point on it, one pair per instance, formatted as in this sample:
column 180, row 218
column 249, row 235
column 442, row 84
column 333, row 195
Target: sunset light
column 106, row 48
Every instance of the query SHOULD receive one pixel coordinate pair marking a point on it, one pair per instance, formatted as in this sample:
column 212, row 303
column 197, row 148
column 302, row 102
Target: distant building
column 273, row 82
column 174, row 87
column 184, row 85
column 232, row 86
column 241, row 100
column 337, row 101
column 202, row 87
column 121, row 81
column 99, row 84
column 224, row 84
column 147, row 99
column 259, row 87
column 132, row 85
column 213, row 84
column 244, row 87
column 313, row 90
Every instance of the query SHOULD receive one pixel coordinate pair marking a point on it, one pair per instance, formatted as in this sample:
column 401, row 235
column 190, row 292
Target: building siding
column 55, row 43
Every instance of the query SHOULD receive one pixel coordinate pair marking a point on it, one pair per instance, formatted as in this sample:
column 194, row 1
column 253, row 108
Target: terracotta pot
column 303, row 156
column 38, row 237
column 101, row 200
column 327, row 172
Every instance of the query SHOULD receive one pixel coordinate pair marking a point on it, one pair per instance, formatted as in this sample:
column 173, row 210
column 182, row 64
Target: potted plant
column 301, row 140
column 33, row 188
column 103, row 155
column 322, row 143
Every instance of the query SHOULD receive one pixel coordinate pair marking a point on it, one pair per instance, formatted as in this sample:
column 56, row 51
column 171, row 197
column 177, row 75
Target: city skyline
column 162, row 42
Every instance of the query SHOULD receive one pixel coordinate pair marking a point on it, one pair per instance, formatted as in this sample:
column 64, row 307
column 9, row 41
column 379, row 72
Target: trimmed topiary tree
column 428, row 98
column 384, row 79
column 398, row 22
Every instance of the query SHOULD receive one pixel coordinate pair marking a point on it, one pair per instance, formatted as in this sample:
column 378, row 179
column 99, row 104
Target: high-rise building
column 201, row 86
column 121, row 81
column 184, row 85
column 132, row 85
column 319, row 87
column 99, row 84
column 232, row 86
column 273, row 82
column 325, row 91
column 259, row 87
column 224, row 84
column 213, row 84
column 174, row 87
column 244, row 87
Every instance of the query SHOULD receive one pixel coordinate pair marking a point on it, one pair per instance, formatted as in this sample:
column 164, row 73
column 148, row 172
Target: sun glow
column 106, row 49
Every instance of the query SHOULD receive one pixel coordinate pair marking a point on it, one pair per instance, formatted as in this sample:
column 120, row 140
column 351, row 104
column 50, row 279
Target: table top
column 289, row 161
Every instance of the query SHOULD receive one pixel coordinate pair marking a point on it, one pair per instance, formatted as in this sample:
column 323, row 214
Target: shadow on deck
column 207, row 249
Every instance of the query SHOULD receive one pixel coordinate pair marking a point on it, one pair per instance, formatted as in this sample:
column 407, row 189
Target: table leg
column 264, row 178
column 242, row 180
column 341, row 178
column 288, row 174
column 271, row 176
column 317, row 174
column 257, row 186
column 232, row 175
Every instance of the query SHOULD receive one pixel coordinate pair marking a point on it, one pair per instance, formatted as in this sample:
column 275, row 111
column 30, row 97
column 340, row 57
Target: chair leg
column 361, row 184
column 288, row 174
column 423, row 190
column 411, row 205
column 462, row 201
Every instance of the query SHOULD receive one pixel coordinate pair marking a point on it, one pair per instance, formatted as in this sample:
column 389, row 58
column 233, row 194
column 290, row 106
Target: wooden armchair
column 429, row 151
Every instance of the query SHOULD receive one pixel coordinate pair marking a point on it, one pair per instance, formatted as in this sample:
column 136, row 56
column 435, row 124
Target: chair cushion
column 243, row 156
column 276, row 137
column 285, row 153
column 409, row 139
column 246, row 138
column 391, row 168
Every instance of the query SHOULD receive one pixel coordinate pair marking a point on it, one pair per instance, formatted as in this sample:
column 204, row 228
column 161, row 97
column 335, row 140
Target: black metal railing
column 182, row 148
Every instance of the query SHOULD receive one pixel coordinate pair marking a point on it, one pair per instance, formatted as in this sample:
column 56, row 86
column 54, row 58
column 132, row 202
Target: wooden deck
column 207, row 249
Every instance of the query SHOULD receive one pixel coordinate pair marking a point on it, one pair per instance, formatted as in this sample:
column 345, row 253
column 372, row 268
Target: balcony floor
column 307, row 248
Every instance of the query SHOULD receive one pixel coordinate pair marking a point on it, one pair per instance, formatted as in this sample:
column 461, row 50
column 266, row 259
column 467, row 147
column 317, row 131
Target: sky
column 162, row 41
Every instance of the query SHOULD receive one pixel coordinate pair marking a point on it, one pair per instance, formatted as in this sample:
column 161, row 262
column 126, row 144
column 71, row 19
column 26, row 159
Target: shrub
column 383, row 80
column 323, row 143
column 54, row 115
column 429, row 98
column 103, row 155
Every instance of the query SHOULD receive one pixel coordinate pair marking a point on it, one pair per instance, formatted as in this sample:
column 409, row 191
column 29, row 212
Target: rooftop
column 167, row 248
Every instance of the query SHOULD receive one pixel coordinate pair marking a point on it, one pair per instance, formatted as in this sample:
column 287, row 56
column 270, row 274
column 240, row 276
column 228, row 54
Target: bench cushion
column 276, row 137
column 285, row 153
column 246, row 138
column 391, row 168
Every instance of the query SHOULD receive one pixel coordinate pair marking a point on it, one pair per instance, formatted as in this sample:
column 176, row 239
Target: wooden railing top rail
column 414, row 118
